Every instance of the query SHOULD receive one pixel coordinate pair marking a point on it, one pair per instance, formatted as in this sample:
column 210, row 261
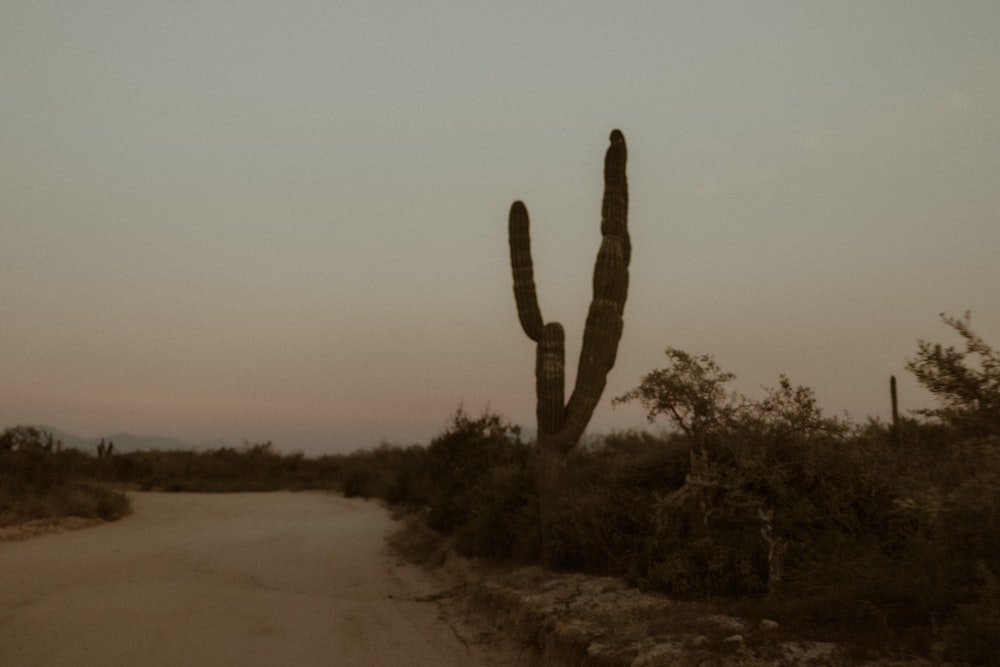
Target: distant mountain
column 126, row 442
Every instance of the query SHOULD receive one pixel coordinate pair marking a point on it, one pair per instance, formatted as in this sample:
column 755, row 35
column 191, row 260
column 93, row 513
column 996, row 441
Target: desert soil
column 237, row 579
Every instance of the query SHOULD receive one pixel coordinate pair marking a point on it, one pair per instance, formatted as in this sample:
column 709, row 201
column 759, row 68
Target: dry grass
column 61, row 501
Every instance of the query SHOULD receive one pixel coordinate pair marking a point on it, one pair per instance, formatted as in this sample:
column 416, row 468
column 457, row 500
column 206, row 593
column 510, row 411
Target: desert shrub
column 38, row 481
column 461, row 460
column 852, row 531
column 954, row 552
column 28, row 460
column 398, row 475
column 252, row 467
column 387, row 472
column 768, row 478
column 88, row 501
column 357, row 482
column 604, row 524
column 26, row 438
column 473, row 482
column 719, row 564
column 972, row 634
column 846, row 526
column 882, row 535
column 966, row 382
column 74, row 464
column 30, row 470
column 502, row 521
column 888, row 536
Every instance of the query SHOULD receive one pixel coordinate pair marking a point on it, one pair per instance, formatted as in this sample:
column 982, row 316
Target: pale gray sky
column 287, row 220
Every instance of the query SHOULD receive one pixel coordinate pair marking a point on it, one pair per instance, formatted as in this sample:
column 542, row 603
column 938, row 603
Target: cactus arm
column 614, row 207
column 528, row 311
column 550, row 372
column 604, row 319
column 600, row 341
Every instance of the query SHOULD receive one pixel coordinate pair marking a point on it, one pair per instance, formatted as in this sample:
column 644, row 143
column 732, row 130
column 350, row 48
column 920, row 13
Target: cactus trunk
column 561, row 423
column 896, row 435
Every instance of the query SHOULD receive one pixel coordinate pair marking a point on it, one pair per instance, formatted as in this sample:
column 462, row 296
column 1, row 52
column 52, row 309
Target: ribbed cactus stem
column 562, row 426
column 524, row 278
column 895, row 407
column 550, row 381
column 614, row 207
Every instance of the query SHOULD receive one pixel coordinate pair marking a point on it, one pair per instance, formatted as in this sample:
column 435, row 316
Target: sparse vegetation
column 967, row 382
column 38, row 481
column 253, row 467
column 474, row 481
column 875, row 535
column 883, row 535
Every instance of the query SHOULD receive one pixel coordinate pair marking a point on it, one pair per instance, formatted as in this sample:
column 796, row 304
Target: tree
column 26, row 438
column 690, row 391
column 967, row 382
column 746, row 453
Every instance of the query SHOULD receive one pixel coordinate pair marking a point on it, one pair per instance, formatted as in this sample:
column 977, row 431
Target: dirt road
column 242, row 579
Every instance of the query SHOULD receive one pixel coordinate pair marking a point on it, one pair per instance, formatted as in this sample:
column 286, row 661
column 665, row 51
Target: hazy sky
column 287, row 220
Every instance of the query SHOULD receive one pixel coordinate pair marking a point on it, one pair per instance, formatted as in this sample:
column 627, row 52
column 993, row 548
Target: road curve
column 235, row 579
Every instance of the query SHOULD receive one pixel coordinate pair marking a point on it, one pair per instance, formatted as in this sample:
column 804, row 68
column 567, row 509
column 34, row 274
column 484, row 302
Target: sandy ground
column 241, row 579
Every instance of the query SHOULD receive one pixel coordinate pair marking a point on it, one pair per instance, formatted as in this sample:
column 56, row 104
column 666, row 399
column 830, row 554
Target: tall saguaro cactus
column 560, row 422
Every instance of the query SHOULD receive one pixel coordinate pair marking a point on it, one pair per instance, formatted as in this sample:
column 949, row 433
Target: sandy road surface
column 242, row 579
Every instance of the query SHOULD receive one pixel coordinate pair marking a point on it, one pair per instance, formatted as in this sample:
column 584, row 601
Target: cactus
column 896, row 435
column 561, row 423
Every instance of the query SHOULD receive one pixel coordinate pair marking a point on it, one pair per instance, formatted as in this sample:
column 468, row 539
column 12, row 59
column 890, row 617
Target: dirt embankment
column 563, row 620
column 598, row 621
